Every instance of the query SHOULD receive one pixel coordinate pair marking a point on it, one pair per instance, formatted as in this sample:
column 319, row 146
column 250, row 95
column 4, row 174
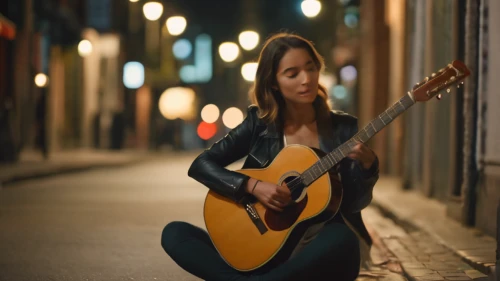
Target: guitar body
column 244, row 245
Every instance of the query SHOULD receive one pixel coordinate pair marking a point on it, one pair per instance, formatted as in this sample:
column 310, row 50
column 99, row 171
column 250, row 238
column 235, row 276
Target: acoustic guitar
column 248, row 236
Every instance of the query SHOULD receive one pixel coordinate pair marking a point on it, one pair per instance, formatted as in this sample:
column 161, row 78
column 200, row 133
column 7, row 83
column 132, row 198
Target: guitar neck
column 376, row 125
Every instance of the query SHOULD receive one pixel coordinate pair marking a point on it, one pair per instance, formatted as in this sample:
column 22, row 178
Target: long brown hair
column 270, row 101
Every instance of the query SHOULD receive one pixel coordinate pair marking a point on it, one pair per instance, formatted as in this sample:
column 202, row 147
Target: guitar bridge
column 254, row 216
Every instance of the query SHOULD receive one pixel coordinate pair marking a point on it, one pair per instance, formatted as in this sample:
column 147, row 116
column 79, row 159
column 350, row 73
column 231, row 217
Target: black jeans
column 332, row 255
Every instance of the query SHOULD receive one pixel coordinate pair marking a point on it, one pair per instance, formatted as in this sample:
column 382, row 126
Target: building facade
column 446, row 150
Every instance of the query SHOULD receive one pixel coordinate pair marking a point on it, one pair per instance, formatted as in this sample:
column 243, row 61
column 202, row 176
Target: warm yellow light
column 229, row 51
column 248, row 71
column 232, row 117
column 41, row 80
column 85, row 48
column 177, row 102
column 176, row 25
column 133, row 1
column 152, row 10
column 311, row 8
column 210, row 113
column 248, row 40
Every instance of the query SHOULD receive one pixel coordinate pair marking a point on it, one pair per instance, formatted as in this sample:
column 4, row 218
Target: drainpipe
column 498, row 243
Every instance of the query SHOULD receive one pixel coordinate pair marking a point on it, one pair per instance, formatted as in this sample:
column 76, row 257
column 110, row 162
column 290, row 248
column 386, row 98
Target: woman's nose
column 306, row 78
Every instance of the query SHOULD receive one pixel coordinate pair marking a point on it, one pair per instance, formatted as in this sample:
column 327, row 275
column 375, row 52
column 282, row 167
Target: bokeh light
column 248, row 40
column 176, row 25
column 210, row 113
column 229, row 51
column 348, row 73
column 311, row 8
column 232, row 117
column 248, row 71
column 351, row 20
column 339, row 92
column 41, row 80
column 152, row 10
column 85, row 48
column 206, row 130
column 187, row 73
column 177, row 102
column 133, row 75
column 182, row 49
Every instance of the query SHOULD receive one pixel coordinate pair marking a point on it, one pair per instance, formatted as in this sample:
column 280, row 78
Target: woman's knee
column 173, row 233
column 345, row 240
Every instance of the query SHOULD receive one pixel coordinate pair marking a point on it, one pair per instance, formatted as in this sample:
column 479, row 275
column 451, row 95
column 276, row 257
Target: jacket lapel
column 329, row 137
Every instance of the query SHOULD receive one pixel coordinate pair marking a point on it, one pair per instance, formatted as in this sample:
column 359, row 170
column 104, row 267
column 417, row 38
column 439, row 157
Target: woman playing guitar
column 290, row 107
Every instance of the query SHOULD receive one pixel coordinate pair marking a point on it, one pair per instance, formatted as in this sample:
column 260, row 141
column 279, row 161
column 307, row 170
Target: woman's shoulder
column 341, row 116
column 253, row 113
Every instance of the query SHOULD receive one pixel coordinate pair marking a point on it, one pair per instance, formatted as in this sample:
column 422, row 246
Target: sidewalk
column 32, row 165
column 432, row 245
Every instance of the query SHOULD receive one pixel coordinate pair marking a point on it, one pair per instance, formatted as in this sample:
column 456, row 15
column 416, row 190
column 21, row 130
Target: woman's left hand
column 363, row 154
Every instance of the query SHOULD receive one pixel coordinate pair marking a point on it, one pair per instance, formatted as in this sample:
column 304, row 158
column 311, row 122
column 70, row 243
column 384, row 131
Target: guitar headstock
column 452, row 74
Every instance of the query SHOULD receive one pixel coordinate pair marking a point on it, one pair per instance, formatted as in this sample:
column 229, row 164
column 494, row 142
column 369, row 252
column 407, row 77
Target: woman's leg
column 332, row 255
column 191, row 248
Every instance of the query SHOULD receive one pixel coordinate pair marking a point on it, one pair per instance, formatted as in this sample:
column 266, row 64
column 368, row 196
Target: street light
column 41, row 80
column 176, row 25
column 210, row 113
column 85, row 48
column 311, row 8
column 248, row 71
column 152, row 10
column 133, row 75
column 248, row 39
column 182, row 48
column 177, row 102
column 232, row 117
column 229, row 51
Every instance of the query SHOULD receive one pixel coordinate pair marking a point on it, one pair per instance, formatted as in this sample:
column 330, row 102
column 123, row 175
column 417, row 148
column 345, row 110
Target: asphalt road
column 97, row 225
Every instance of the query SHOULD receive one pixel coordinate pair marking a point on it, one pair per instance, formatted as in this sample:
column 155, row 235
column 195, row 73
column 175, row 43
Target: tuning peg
column 458, row 86
column 448, row 90
column 433, row 74
column 438, row 97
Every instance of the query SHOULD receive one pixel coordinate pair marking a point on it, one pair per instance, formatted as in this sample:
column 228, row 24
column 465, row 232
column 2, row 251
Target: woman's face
column 297, row 77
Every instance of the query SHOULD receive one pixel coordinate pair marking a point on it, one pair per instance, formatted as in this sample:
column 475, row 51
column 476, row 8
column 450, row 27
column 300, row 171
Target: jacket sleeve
column 209, row 167
column 357, row 182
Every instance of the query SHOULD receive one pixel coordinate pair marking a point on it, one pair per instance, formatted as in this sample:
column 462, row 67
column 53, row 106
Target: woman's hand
column 363, row 154
column 272, row 196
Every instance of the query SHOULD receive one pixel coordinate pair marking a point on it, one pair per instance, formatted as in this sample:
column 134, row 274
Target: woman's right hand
column 272, row 196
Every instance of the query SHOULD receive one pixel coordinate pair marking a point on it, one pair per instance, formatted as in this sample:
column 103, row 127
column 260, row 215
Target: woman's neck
column 299, row 114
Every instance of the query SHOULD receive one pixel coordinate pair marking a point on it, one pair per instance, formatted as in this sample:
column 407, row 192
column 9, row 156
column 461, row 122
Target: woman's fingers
column 274, row 205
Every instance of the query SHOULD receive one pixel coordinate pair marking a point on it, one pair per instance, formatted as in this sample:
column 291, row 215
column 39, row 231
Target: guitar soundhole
column 278, row 221
column 295, row 185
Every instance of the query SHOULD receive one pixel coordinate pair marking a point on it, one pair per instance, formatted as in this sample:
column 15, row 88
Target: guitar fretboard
column 376, row 125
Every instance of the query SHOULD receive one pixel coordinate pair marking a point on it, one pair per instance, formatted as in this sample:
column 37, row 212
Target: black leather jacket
column 261, row 143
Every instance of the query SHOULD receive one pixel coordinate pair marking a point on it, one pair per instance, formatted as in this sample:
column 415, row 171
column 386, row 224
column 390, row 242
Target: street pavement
column 105, row 224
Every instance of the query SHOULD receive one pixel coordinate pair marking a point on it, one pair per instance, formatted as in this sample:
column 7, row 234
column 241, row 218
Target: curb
column 484, row 271
column 66, row 169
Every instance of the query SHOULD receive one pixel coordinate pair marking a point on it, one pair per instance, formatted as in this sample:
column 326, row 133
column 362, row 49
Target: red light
column 206, row 130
